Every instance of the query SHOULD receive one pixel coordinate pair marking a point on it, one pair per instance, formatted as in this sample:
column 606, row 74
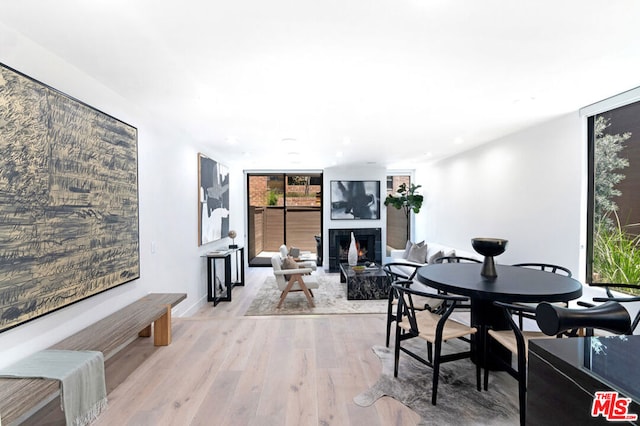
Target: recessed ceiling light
column 288, row 140
column 458, row 140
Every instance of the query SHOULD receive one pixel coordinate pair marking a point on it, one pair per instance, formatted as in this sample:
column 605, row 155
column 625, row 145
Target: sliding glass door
column 283, row 208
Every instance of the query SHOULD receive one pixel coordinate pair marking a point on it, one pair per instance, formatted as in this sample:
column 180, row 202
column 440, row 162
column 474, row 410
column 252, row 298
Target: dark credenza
column 565, row 374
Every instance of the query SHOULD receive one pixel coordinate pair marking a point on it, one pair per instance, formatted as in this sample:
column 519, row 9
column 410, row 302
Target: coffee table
column 371, row 284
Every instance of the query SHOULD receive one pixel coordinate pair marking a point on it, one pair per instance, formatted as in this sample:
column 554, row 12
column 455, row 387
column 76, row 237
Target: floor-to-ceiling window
column 283, row 208
column 613, row 238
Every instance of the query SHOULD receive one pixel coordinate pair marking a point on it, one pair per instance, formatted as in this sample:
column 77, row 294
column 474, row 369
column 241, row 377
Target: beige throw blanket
column 83, row 391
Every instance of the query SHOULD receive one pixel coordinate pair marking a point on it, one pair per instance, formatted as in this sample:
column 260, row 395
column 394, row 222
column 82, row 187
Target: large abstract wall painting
column 68, row 200
column 213, row 208
column 355, row 199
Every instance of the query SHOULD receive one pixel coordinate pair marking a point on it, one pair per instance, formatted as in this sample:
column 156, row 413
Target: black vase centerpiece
column 489, row 248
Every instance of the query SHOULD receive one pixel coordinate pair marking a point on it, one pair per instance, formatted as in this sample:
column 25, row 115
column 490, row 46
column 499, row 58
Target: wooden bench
column 21, row 398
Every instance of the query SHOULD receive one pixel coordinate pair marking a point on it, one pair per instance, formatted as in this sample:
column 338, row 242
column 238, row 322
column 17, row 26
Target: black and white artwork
column 213, row 211
column 68, row 200
column 355, row 199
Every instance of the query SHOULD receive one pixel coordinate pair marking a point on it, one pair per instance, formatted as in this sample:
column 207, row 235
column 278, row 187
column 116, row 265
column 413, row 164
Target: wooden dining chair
column 546, row 267
column 610, row 316
column 433, row 328
column 457, row 259
column 620, row 299
column 516, row 340
column 397, row 272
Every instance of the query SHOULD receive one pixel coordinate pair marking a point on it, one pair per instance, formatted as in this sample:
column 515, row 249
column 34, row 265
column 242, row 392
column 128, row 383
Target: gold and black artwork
column 68, row 200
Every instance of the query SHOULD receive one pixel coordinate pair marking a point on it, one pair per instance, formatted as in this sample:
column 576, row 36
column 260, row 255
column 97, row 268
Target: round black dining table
column 512, row 284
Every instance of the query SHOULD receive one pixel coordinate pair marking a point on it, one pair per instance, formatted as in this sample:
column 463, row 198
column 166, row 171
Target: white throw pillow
column 407, row 248
column 435, row 256
column 418, row 254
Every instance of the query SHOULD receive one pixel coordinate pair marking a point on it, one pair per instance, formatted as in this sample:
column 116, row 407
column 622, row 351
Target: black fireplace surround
column 369, row 241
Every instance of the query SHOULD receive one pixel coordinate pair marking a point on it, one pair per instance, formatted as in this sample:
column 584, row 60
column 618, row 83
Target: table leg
column 484, row 315
column 210, row 289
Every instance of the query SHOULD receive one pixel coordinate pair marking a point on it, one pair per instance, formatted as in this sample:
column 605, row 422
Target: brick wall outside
column 258, row 194
column 397, row 181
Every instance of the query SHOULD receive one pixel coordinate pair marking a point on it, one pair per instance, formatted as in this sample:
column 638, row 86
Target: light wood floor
column 223, row 368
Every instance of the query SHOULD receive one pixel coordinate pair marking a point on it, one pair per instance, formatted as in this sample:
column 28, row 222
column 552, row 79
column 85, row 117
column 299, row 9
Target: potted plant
column 407, row 200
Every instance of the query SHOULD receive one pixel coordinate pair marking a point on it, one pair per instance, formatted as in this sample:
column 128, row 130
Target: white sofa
column 423, row 257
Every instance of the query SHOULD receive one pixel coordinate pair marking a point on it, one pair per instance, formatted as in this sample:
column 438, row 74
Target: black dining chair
column 620, row 299
column 456, row 259
column 553, row 321
column 516, row 340
column 397, row 273
column 433, row 328
column 610, row 316
column 546, row 267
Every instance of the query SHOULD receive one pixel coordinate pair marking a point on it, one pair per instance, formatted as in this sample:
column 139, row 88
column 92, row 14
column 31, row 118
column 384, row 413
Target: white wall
column 352, row 173
column 168, row 186
column 526, row 187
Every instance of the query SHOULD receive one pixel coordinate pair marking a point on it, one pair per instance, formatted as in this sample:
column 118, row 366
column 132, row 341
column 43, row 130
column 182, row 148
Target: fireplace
column 368, row 242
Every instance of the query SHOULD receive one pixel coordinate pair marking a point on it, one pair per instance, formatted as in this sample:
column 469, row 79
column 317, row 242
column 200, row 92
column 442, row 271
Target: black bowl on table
column 489, row 247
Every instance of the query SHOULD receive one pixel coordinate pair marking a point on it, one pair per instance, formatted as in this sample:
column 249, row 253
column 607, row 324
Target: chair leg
column 285, row 292
column 390, row 317
column 478, row 363
column 436, row 372
column 389, row 322
column 485, row 356
column 396, row 352
column 522, row 387
column 305, row 290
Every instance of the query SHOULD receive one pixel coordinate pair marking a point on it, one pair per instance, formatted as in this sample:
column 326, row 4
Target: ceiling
column 310, row 84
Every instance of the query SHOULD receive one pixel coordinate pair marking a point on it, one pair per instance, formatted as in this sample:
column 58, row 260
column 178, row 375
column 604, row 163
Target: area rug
column 459, row 402
column 330, row 298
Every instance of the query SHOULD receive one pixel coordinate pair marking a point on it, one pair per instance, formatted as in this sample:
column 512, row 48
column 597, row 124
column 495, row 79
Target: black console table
column 566, row 375
column 218, row 290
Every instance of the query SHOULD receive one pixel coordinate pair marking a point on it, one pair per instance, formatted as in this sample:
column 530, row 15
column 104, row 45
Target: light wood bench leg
column 146, row 332
column 162, row 329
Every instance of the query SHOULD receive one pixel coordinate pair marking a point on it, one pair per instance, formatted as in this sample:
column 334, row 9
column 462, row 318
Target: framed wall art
column 68, row 200
column 355, row 199
column 213, row 196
